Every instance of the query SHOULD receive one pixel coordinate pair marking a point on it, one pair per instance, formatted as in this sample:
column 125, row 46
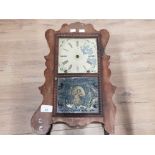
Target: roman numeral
column 63, row 56
column 70, row 45
column 84, row 67
column 70, row 66
column 65, row 62
column 77, row 68
column 65, row 49
column 89, row 62
column 91, row 55
column 77, row 43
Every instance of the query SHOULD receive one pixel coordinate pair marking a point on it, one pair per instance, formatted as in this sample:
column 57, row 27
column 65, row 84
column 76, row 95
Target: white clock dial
column 77, row 55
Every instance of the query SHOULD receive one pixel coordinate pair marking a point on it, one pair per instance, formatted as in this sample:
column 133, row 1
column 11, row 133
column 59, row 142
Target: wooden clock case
column 42, row 122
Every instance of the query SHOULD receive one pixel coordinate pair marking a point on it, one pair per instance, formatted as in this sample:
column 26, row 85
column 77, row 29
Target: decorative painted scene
column 78, row 95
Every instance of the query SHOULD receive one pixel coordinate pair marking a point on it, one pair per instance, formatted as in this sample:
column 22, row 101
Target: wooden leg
column 41, row 122
column 105, row 132
column 50, row 129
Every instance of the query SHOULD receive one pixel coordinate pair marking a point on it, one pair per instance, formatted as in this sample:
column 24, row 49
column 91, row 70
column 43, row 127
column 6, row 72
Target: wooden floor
column 132, row 51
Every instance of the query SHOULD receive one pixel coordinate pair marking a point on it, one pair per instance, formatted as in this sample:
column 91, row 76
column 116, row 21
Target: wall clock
column 77, row 90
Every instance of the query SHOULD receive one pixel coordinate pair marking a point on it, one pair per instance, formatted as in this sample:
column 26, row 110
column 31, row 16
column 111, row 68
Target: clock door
column 77, row 82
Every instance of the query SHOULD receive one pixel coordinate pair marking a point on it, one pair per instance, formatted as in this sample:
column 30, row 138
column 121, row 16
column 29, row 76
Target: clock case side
column 41, row 122
column 109, row 109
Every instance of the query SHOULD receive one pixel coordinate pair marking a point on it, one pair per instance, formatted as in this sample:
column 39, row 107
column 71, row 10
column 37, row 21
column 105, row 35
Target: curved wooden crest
column 41, row 121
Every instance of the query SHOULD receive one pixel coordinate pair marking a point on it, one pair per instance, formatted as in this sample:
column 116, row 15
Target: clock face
column 77, row 55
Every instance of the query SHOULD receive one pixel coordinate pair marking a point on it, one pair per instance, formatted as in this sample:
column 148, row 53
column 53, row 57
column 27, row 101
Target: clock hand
column 65, row 49
column 70, row 66
column 70, row 45
column 84, row 67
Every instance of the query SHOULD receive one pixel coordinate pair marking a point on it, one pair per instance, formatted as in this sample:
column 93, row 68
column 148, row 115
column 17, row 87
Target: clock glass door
column 77, row 84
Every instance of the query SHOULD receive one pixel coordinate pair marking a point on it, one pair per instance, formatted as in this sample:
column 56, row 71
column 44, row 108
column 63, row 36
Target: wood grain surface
column 132, row 50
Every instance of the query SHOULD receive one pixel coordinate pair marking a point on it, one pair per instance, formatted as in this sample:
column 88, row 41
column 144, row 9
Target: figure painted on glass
column 77, row 92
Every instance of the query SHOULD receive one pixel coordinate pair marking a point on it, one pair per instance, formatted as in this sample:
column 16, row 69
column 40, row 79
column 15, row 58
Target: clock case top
column 47, row 89
column 63, row 75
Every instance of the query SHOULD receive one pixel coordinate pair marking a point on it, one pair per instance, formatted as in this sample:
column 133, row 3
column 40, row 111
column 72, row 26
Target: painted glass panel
column 77, row 95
